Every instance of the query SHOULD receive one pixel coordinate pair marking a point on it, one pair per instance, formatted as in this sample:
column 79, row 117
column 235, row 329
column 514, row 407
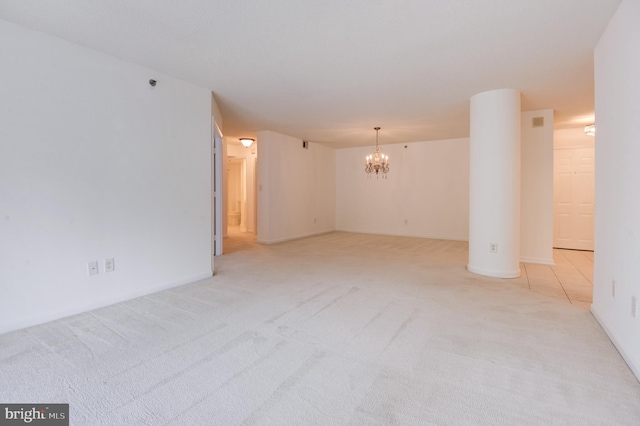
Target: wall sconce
column 247, row 142
column 590, row 129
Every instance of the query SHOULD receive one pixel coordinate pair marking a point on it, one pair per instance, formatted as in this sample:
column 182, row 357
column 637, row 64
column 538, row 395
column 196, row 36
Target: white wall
column 536, row 196
column 572, row 138
column 617, row 229
column 296, row 188
column 96, row 164
column 437, row 210
column 427, row 186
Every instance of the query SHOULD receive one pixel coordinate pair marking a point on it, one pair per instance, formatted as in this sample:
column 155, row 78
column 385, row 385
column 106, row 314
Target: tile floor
column 570, row 279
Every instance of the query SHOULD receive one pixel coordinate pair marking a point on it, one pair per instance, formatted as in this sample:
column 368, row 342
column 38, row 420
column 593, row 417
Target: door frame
column 573, row 243
column 216, row 196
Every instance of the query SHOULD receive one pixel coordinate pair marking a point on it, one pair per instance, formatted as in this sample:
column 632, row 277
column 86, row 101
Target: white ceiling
column 329, row 71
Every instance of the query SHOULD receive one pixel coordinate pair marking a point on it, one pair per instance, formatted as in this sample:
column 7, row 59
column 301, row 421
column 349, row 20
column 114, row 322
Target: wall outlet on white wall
column 92, row 268
column 493, row 247
column 109, row 265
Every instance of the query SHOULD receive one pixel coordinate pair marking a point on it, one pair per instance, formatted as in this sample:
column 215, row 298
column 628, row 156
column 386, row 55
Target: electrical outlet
column 613, row 288
column 109, row 265
column 92, row 268
column 634, row 305
column 493, row 248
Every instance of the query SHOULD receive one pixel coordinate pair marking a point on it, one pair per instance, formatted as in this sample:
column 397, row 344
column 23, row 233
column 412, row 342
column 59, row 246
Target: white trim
column 297, row 237
column 217, row 128
column 79, row 309
column 397, row 234
column 217, row 187
column 541, row 260
column 494, row 273
column 635, row 369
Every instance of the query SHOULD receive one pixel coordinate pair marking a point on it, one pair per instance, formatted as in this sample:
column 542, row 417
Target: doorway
column 240, row 196
column 236, row 195
column 573, row 190
column 574, row 198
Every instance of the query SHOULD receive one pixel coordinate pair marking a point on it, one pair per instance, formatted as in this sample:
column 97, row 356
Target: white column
column 494, row 191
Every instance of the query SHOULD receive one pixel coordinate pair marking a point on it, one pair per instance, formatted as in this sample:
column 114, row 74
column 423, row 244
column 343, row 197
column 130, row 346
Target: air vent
column 537, row 122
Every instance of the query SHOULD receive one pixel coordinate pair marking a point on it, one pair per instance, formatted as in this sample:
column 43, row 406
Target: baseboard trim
column 635, row 369
column 494, row 273
column 394, row 234
column 82, row 308
column 295, row 237
column 540, row 260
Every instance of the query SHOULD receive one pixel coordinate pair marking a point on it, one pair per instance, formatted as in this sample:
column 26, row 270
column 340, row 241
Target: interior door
column 216, row 199
column 573, row 192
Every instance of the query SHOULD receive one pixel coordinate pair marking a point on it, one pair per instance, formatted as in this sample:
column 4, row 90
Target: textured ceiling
column 329, row 71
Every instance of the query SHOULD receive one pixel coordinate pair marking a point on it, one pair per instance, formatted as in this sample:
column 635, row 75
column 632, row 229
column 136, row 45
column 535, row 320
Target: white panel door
column 573, row 193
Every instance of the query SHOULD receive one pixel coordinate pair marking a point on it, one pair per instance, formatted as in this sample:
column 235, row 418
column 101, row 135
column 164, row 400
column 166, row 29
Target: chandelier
column 377, row 162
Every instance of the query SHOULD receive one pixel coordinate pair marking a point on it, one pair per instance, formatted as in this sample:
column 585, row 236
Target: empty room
column 319, row 213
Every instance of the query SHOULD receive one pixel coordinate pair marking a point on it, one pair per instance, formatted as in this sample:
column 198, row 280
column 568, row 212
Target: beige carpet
column 338, row 329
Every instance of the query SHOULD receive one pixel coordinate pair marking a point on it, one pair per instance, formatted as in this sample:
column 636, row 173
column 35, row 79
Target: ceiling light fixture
column 590, row 129
column 377, row 162
column 247, row 142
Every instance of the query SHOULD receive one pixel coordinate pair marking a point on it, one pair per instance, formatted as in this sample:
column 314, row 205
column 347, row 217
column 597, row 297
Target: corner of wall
column 617, row 230
column 536, row 203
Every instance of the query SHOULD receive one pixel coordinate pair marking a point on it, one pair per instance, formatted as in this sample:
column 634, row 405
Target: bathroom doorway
column 236, row 195
column 240, row 196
